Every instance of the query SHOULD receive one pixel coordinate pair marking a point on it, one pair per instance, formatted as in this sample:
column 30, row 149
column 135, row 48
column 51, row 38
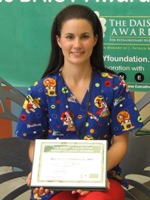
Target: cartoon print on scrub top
column 123, row 83
column 71, row 99
column 31, row 104
column 108, row 75
column 88, row 137
column 118, row 100
column 100, row 103
column 92, row 116
column 50, row 85
column 123, row 118
column 67, row 119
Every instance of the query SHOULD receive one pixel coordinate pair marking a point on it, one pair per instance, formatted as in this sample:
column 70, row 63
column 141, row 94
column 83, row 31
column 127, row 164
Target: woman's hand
column 84, row 192
column 81, row 192
column 40, row 190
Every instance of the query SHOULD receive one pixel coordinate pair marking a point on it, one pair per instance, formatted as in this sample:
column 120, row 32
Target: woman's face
column 77, row 41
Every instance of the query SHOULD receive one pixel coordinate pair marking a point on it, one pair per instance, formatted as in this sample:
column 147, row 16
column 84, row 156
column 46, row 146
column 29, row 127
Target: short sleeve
column 33, row 121
column 124, row 113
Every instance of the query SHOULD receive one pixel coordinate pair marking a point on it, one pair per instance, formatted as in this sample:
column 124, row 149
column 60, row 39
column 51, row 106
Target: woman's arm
column 118, row 150
column 31, row 150
column 31, row 153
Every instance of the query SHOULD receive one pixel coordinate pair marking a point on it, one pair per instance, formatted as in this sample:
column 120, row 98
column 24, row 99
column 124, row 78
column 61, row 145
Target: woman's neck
column 76, row 74
column 77, row 80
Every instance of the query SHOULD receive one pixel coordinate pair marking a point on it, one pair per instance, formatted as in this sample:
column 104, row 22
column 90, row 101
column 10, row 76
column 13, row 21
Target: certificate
column 70, row 164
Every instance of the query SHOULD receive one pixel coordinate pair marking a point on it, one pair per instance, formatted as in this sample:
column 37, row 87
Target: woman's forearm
column 117, row 151
column 31, row 150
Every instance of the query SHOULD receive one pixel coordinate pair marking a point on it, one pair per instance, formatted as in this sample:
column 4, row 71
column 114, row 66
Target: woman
column 78, row 98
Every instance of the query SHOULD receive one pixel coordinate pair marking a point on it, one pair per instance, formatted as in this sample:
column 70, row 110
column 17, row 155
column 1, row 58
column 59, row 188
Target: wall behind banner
column 25, row 38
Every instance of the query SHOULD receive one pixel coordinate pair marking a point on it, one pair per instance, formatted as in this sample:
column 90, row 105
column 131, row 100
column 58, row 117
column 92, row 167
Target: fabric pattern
column 51, row 111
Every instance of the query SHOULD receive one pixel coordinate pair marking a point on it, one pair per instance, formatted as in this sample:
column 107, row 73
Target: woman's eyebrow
column 80, row 33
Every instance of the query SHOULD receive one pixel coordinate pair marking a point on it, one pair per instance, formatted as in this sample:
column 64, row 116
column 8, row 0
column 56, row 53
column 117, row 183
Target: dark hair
column 75, row 12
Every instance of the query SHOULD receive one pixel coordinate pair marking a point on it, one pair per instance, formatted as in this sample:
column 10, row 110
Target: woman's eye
column 69, row 37
column 85, row 37
column 82, row 37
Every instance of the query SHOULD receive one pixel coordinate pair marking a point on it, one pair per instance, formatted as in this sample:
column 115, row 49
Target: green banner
column 25, row 38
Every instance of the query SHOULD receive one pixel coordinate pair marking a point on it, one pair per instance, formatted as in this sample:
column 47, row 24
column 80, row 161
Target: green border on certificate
column 70, row 164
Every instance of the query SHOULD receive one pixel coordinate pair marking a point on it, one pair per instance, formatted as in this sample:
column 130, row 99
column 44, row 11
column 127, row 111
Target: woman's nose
column 77, row 43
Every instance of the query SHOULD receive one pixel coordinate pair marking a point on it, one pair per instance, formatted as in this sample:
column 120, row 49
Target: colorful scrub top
column 51, row 111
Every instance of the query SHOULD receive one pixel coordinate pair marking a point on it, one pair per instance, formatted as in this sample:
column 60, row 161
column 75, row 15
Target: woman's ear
column 58, row 41
column 96, row 39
